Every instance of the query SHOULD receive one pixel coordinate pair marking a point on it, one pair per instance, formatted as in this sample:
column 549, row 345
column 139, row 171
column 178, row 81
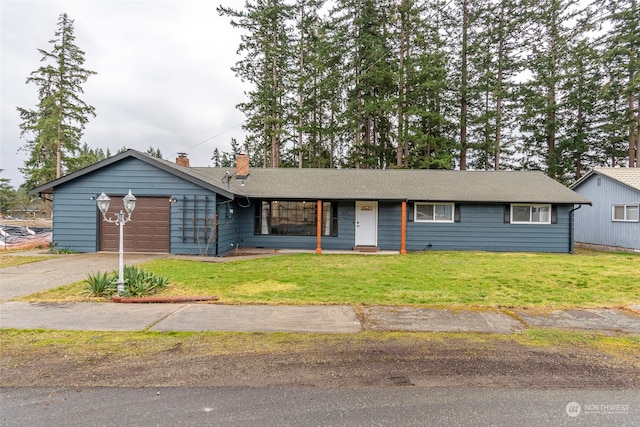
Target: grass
column 140, row 344
column 586, row 279
column 12, row 260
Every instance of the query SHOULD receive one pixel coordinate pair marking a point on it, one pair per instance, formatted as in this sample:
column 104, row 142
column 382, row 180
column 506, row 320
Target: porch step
column 366, row 249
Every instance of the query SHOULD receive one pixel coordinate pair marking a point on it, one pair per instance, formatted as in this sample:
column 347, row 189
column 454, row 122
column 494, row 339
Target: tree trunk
column 402, row 143
column 463, row 88
column 632, row 131
column 638, row 136
column 496, row 165
column 300, row 89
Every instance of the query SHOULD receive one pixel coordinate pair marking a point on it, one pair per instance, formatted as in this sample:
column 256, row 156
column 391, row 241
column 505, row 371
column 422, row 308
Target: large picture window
column 530, row 214
column 434, row 212
column 625, row 213
column 295, row 218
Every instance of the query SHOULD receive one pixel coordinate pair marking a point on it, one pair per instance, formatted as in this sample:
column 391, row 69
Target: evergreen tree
column 541, row 121
column 370, row 71
column 216, row 158
column 7, row 196
column 86, row 156
column 310, row 69
column 154, row 152
column 580, row 108
column 53, row 130
column 266, row 66
column 493, row 60
column 622, row 65
column 426, row 132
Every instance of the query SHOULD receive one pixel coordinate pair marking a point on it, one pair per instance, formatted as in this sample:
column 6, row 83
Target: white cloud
column 164, row 77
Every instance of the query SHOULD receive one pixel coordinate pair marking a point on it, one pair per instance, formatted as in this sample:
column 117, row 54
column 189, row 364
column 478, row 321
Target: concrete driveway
column 59, row 270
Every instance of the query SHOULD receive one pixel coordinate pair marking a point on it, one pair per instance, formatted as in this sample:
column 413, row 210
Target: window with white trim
column 625, row 213
column 433, row 212
column 530, row 214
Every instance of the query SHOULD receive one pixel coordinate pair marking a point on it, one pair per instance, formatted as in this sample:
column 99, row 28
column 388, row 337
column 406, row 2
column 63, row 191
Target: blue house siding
column 389, row 225
column 228, row 230
column 482, row 228
column 593, row 224
column 76, row 218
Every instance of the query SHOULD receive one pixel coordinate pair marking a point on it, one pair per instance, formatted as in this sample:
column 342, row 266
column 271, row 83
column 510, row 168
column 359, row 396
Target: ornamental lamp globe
column 103, row 202
column 129, row 202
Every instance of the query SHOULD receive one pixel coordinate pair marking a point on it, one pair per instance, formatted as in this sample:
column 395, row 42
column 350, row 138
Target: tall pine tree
column 53, row 130
column 266, row 66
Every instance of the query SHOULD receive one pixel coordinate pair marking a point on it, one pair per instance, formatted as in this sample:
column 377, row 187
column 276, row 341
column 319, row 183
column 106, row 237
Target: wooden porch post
column 319, row 228
column 403, row 228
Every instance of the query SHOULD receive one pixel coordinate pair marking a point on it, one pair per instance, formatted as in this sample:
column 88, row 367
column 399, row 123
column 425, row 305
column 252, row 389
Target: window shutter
column 507, row 214
column 554, row 214
column 410, row 207
column 456, row 212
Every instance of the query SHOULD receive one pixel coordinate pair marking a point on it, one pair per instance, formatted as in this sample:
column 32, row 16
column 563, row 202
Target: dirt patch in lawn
column 411, row 360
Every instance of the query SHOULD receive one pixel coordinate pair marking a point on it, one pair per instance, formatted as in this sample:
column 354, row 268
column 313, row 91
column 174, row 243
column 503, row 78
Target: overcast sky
column 164, row 77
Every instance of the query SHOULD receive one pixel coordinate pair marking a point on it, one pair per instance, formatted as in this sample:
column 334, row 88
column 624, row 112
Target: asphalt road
column 312, row 406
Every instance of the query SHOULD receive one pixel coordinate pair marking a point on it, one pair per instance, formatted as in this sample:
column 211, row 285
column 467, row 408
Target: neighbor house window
column 530, row 214
column 434, row 212
column 295, row 218
column 627, row 213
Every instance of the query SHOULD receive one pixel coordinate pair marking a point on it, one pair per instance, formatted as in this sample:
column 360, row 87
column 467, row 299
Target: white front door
column 366, row 223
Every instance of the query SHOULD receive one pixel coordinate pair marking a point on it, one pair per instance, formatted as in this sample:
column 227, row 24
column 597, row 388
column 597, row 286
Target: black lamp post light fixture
column 103, row 201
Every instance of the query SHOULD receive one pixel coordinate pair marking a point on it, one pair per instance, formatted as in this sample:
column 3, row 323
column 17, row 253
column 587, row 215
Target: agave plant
column 138, row 282
column 101, row 284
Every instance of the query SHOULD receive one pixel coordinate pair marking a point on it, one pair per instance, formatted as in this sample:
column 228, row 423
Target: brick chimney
column 242, row 166
column 182, row 160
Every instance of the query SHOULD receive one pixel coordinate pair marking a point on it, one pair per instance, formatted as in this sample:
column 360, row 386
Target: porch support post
column 319, row 228
column 403, row 228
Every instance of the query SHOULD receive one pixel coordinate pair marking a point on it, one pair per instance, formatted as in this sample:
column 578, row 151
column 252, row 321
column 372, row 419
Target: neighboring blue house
column 212, row 211
column 613, row 222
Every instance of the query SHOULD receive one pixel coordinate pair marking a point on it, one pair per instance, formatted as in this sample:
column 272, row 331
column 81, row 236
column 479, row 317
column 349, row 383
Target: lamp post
column 103, row 202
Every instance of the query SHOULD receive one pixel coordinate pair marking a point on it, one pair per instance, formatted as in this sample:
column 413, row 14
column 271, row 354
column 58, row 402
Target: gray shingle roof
column 360, row 184
column 188, row 174
column 399, row 184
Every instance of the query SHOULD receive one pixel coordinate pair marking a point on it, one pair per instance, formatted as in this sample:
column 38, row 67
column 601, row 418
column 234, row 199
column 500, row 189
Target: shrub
column 101, row 284
column 137, row 282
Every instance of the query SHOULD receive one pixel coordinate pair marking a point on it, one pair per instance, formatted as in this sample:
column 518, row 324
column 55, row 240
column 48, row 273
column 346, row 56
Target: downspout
column 319, row 228
column 571, row 228
column 403, row 228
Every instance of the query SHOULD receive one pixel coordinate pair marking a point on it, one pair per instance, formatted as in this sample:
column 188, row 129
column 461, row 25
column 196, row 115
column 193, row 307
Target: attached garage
column 148, row 231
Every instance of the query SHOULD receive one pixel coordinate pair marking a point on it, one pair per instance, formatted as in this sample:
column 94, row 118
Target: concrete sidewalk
column 302, row 319
column 60, row 270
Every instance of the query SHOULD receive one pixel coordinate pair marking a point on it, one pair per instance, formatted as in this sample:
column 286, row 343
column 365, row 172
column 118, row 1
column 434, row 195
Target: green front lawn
column 586, row 279
column 7, row 260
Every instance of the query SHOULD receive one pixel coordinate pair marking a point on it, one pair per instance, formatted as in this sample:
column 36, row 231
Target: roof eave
column 48, row 187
